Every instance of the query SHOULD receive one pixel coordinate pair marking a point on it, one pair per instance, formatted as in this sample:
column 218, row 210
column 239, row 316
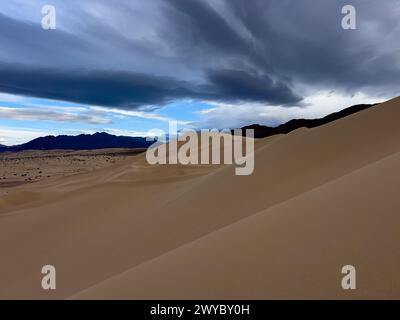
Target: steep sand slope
column 96, row 226
column 293, row 250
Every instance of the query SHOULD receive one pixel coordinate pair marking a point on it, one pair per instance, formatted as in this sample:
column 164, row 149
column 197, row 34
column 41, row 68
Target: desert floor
column 318, row 199
column 17, row 168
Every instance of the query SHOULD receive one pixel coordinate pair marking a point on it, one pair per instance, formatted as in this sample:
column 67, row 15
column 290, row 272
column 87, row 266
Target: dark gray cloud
column 246, row 86
column 26, row 42
column 301, row 42
column 198, row 24
column 140, row 53
column 104, row 88
column 133, row 90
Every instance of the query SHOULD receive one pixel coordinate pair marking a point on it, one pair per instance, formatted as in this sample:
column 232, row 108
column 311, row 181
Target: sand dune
column 319, row 199
column 293, row 250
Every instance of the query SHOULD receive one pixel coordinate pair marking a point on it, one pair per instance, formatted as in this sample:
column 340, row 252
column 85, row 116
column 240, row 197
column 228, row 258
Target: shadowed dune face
column 318, row 199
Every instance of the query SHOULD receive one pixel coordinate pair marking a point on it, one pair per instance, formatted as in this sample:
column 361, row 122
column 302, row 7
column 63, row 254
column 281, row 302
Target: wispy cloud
column 320, row 104
column 138, row 114
column 129, row 133
column 5, row 97
column 52, row 114
column 13, row 136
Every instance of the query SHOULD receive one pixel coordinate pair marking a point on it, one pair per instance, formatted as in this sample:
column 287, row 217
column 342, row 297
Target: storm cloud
column 133, row 90
column 135, row 53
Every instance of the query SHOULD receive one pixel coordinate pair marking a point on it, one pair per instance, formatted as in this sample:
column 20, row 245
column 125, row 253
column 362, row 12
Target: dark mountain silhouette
column 81, row 142
column 104, row 140
column 261, row 131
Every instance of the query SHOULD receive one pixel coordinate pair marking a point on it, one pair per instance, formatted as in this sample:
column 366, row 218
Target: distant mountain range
column 261, row 131
column 81, row 142
column 104, row 140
